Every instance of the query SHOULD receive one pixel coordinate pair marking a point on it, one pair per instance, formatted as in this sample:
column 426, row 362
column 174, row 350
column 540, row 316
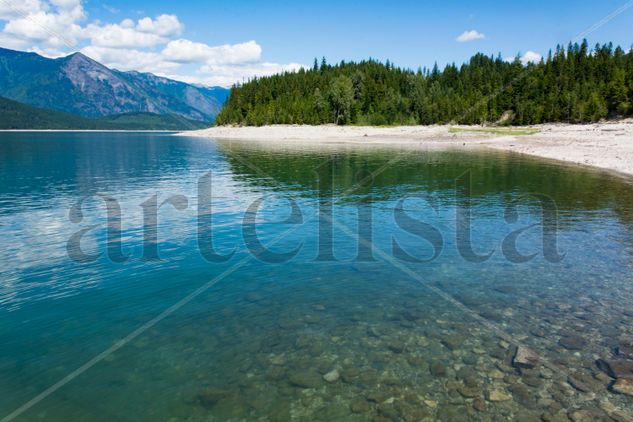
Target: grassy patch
column 501, row 131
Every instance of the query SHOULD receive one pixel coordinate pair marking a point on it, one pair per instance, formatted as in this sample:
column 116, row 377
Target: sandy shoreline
column 607, row 146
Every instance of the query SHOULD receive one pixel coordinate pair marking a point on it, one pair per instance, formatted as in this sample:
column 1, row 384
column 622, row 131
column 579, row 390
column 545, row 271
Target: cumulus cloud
column 54, row 28
column 226, row 75
column 130, row 59
column 10, row 10
column 53, row 24
column 163, row 25
column 467, row 36
column 528, row 57
column 531, row 57
column 185, row 51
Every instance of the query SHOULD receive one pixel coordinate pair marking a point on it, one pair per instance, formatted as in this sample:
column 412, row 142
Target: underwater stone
column 359, row 405
column 479, row 405
column 305, row 378
column 497, row 395
column 332, row 376
column 560, row 416
column 616, row 368
column 438, row 369
column 578, row 384
column 525, row 358
column 396, row 346
column 572, row 342
column 625, row 347
column 448, row 413
column 623, row 385
column 452, row 342
column 210, row 396
column 584, row 416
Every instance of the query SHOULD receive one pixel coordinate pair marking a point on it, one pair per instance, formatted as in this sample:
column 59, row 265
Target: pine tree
column 573, row 84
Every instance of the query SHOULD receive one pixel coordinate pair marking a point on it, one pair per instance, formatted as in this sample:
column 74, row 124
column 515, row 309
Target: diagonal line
column 137, row 332
column 603, row 21
column 528, row 70
column 495, row 328
column 169, row 311
column 25, row 15
column 346, row 192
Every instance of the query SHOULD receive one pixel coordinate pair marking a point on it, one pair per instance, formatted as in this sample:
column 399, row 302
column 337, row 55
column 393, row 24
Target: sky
column 218, row 43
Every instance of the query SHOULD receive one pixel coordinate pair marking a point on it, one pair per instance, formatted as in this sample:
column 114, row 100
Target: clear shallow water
column 252, row 340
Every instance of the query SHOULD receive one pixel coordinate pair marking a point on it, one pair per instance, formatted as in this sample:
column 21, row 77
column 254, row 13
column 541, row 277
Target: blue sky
column 263, row 37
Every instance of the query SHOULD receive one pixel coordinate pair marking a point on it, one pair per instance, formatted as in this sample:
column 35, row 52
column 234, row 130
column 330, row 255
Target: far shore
column 607, row 146
column 84, row 130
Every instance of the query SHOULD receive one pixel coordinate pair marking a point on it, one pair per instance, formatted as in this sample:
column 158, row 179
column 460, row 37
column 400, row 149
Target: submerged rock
column 453, row 342
column 579, row 384
column 625, row 347
column 525, row 358
column 332, row 376
column 572, row 342
column 359, row 405
column 210, row 396
column 479, row 405
column 452, row 413
column 497, row 395
column 438, row 369
column 623, row 385
column 560, row 416
column 305, row 378
column 616, row 368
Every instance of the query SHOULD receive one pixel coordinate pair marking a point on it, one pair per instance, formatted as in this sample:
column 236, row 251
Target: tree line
column 574, row 84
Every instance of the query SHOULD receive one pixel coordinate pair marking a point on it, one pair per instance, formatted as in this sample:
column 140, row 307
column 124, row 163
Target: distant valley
column 94, row 95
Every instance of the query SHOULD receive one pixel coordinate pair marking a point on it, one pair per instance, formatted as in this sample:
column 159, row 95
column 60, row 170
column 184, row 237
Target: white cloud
column 185, row 51
column 528, row 57
column 145, row 33
column 54, row 28
column 121, row 35
column 467, row 36
column 226, row 75
column 531, row 57
column 52, row 24
column 163, row 25
column 10, row 10
column 130, row 59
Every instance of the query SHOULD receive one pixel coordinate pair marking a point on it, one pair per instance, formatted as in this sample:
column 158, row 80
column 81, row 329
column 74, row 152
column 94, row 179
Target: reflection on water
column 306, row 339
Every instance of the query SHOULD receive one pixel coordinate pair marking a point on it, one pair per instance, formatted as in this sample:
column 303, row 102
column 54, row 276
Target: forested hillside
column 15, row 115
column 577, row 85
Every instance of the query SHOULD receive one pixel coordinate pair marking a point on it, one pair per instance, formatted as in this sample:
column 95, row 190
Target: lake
column 154, row 277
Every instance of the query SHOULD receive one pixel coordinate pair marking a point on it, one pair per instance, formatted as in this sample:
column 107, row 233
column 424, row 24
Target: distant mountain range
column 15, row 115
column 81, row 86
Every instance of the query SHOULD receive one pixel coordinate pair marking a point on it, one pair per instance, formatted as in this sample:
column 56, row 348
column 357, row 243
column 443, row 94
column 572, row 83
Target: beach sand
column 607, row 146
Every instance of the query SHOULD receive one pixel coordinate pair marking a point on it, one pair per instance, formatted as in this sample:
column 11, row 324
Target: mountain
column 79, row 85
column 15, row 115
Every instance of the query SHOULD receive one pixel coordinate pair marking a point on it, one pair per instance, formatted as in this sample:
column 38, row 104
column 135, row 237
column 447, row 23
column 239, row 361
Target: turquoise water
column 322, row 327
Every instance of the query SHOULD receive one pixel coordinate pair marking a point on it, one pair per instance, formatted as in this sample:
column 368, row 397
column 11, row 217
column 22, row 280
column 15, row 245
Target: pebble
column 615, row 368
column 210, row 396
column 572, row 342
column 525, row 358
column 623, row 385
column 305, row 378
column 497, row 395
column 560, row 416
column 625, row 347
column 332, row 376
column 359, row 405
column 479, row 405
column 438, row 369
column 578, row 384
column 431, row 403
